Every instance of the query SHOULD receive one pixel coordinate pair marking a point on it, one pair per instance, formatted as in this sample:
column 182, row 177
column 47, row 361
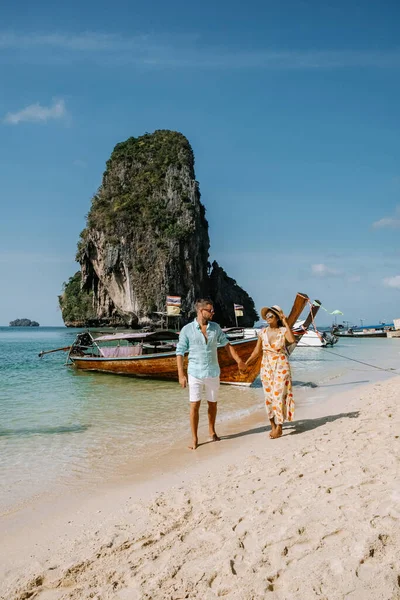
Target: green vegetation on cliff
column 142, row 174
column 76, row 304
column 146, row 237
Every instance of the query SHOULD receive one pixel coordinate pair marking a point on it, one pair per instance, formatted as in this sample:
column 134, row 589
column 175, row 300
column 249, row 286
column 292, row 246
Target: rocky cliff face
column 146, row 237
column 225, row 292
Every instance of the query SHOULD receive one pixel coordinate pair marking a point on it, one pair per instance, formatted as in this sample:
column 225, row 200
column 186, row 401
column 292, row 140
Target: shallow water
column 60, row 427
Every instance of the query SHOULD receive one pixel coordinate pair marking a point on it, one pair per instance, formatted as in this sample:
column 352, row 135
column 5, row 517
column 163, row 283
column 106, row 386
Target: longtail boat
column 153, row 354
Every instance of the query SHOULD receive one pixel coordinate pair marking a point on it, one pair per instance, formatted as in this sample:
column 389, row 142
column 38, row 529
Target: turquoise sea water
column 61, row 427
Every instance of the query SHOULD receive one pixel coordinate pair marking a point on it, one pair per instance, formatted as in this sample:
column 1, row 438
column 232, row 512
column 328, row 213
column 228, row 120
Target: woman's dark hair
column 280, row 323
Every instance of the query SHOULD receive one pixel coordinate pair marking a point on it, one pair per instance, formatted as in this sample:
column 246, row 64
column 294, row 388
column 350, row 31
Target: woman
column 275, row 369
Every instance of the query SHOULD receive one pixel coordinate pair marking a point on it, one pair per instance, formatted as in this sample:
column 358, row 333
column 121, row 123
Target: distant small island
column 24, row 323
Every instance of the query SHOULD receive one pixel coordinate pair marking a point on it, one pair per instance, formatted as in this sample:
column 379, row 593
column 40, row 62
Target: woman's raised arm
column 289, row 333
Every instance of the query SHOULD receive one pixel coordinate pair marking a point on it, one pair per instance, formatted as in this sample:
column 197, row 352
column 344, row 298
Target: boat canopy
column 148, row 336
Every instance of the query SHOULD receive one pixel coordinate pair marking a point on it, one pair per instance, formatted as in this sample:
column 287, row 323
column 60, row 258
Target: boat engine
column 82, row 342
column 329, row 338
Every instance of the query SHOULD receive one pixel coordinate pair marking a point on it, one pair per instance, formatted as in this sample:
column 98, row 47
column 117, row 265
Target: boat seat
column 120, row 351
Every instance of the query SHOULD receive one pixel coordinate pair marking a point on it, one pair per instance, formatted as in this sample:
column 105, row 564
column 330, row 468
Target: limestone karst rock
column 23, row 323
column 225, row 292
column 146, row 237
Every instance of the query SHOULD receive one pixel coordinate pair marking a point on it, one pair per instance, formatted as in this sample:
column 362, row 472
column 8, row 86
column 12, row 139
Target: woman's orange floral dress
column 276, row 378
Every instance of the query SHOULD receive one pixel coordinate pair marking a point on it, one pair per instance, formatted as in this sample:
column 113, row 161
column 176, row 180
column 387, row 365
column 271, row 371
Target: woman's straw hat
column 275, row 309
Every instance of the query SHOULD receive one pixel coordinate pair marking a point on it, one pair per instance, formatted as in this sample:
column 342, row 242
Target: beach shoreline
column 126, row 540
column 63, row 430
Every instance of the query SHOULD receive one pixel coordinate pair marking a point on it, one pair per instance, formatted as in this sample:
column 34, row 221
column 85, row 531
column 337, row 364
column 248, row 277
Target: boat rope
column 361, row 362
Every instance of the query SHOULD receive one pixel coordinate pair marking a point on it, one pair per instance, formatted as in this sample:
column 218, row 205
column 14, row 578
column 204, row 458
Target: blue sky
column 292, row 110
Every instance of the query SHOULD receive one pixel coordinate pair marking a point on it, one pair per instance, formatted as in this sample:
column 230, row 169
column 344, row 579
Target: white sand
column 315, row 514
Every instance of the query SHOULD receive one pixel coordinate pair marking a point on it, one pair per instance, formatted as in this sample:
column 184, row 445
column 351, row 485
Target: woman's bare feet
column 273, row 427
column 215, row 438
column 194, row 444
column 276, row 433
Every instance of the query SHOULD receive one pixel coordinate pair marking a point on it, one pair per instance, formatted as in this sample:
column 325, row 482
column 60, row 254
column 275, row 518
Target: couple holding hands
column 201, row 338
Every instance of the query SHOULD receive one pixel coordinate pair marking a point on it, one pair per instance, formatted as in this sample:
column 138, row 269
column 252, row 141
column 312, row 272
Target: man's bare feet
column 276, row 433
column 194, row 445
column 215, row 438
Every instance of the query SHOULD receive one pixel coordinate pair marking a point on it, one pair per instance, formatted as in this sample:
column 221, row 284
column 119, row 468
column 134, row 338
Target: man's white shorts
column 209, row 384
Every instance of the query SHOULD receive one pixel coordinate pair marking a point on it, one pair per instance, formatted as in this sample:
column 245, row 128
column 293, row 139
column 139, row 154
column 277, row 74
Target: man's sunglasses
column 210, row 310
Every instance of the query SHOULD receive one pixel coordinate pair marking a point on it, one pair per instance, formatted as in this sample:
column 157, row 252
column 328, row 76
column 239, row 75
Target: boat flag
column 173, row 306
column 334, row 312
column 238, row 310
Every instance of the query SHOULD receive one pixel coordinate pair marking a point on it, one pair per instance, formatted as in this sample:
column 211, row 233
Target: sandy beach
column 315, row 514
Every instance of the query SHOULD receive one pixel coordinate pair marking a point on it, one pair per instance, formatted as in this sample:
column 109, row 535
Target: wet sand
column 314, row 514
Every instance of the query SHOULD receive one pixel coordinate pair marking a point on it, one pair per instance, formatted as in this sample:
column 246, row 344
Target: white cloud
column 185, row 51
column 91, row 41
column 322, row 270
column 36, row 113
column 389, row 222
column 393, row 282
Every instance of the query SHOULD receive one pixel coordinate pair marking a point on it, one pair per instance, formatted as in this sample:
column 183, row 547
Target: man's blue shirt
column 203, row 357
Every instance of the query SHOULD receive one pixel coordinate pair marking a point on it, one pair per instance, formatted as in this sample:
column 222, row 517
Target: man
column 201, row 338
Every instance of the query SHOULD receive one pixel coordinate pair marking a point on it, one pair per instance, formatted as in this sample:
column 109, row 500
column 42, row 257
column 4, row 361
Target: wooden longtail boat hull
column 312, row 314
column 361, row 335
column 163, row 365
